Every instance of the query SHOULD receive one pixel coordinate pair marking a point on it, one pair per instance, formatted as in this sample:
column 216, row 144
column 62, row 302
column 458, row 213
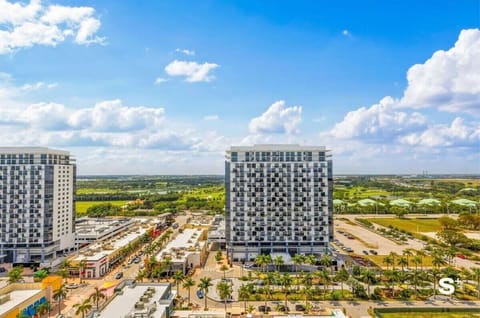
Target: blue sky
column 165, row 87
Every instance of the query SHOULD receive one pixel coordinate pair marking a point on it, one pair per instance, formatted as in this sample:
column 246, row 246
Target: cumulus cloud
column 114, row 116
column 346, row 33
column 186, row 52
column 378, row 122
column 26, row 25
column 192, row 71
column 458, row 133
column 277, row 119
column 449, row 80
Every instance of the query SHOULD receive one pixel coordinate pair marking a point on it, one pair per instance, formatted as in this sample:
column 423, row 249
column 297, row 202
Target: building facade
column 278, row 201
column 37, row 208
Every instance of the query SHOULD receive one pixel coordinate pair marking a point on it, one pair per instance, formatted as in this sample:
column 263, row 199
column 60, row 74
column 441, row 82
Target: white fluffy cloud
column 113, row 116
column 160, row 80
column 380, row 121
column 26, row 25
column 449, row 80
column 458, row 134
column 277, row 119
column 192, row 71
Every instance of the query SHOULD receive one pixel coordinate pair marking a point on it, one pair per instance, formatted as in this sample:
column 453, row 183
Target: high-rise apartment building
column 278, row 200
column 37, row 208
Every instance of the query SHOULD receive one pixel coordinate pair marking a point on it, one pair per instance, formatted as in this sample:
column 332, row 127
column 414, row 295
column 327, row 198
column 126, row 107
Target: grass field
column 431, row 315
column 378, row 259
column 82, row 206
column 410, row 225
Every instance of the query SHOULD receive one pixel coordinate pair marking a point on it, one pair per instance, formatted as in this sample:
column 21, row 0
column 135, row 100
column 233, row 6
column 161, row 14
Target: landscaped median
column 426, row 312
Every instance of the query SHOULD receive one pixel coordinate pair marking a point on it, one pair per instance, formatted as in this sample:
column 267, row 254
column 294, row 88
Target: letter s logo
column 446, row 286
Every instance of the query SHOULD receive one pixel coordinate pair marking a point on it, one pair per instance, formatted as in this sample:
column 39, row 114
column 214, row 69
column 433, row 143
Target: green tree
column 476, row 275
column 278, row 261
column 59, row 295
column 188, row 284
column 342, row 276
column 218, row 256
column 225, row 291
column 204, row 284
column 368, row 277
column 178, row 277
column 96, row 296
column 286, row 283
column 82, row 308
column 15, row 274
column 244, row 292
column 224, row 268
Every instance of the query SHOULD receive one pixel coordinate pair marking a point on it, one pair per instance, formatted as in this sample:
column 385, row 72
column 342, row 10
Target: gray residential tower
column 278, row 201
column 37, row 209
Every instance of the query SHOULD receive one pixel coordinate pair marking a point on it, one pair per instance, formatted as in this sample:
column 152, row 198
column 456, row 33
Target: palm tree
column 435, row 273
column 388, row 260
column 342, row 276
column 407, row 252
column 325, row 278
column 83, row 308
column 278, row 261
column 81, row 268
column 97, row 295
column 59, row 295
column 368, row 277
column 41, row 309
column 204, row 284
column 140, row 275
column 286, row 283
column 393, row 255
column 402, row 261
column 476, row 275
column 188, row 284
column 225, row 291
column 326, row 261
column 167, row 263
column 224, row 268
column 298, row 259
column 244, row 293
column 310, row 259
column 178, row 277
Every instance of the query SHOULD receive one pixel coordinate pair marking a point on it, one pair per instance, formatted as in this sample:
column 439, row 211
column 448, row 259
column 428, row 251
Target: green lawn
column 431, row 315
column 82, row 206
column 410, row 225
column 378, row 259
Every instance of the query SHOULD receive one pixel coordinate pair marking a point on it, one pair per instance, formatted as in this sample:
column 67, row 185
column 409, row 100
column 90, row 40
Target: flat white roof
column 124, row 304
column 277, row 147
column 34, row 150
column 185, row 240
column 116, row 245
column 16, row 298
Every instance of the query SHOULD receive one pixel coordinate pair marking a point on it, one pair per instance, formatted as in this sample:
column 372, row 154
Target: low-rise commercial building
column 97, row 259
column 91, row 230
column 25, row 297
column 216, row 234
column 154, row 300
column 187, row 250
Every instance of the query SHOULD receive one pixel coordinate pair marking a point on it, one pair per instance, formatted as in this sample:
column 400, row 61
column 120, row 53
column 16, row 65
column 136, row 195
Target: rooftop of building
column 97, row 251
column 33, row 150
column 183, row 244
column 15, row 298
column 97, row 226
column 277, row 147
column 149, row 299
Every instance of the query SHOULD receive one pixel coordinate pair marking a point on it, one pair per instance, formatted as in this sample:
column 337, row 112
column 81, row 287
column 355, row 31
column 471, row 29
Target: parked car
column 200, row 293
column 2, row 270
column 136, row 260
column 365, row 252
column 119, row 275
column 282, row 308
column 461, row 256
column 374, row 252
column 299, row 307
column 72, row 286
column 264, row 309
